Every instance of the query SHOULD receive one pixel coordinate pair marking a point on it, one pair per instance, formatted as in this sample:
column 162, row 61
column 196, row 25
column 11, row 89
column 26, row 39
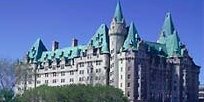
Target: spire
column 132, row 38
column 167, row 28
column 118, row 13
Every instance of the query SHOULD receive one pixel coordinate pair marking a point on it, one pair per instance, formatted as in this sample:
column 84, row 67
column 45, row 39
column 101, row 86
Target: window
column 38, row 75
column 128, row 85
column 81, row 79
column 72, row 73
column 46, row 74
column 97, row 78
column 54, row 81
column 81, row 72
column 81, row 64
column 54, row 74
column 38, row 82
column 62, row 80
column 121, row 77
column 46, row 81
column 98, row 62
column 128, row 94
column 121, row 69
column 62, row 73
column 128, row 76
column 62, row 66
column 88, row 71
column 71, row 80
column 121, row 84
column 29, row 82
column 128, row 68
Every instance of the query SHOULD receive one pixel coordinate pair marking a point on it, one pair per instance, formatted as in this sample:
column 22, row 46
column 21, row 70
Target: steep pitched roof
column 100, row 39
column 118, row 13
column 131, row 39
column 36, row 50
column 173, row 45
column 167, row 28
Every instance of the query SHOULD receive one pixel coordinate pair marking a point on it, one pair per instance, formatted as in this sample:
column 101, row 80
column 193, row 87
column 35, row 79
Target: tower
column 117, row 34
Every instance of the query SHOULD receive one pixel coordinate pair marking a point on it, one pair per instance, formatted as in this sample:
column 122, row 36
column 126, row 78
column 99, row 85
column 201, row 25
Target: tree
column 6, row 73
column 73, row 93
column 6, row 80
column 6, row 95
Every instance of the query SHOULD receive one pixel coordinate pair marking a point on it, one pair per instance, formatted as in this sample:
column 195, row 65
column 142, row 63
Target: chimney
column 74, row 42
column 55, row 45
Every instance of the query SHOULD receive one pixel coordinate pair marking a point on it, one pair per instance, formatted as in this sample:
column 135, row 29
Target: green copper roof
column 131, row 39
column 173, row 45
column 169, row 37
column 100, row 39
column 156, row 48
column 69, row 53
column 118, row 13
column 36, row 50
column 167, row 28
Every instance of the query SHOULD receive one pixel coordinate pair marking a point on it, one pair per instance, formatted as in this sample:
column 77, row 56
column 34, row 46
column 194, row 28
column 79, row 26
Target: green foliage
column 6, row 95
column 73, row 93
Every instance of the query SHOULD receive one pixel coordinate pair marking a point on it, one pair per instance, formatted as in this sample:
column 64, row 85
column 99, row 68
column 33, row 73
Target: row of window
column 89, row 63
column 121, row 85
column 70, row 80
column 128, row 76
column 54, row 74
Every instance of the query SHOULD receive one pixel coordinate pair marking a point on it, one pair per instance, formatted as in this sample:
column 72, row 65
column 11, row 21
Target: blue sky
column 23, row 21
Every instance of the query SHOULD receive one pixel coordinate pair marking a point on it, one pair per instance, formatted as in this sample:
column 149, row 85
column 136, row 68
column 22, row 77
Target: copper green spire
column 167, row 28
column 118, row 13
column 132, row 38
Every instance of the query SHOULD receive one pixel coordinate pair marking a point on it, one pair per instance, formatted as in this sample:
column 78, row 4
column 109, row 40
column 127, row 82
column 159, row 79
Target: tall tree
column 6, row 73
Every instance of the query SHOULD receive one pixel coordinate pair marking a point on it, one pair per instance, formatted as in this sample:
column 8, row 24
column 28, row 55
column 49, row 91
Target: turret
column 117, row 34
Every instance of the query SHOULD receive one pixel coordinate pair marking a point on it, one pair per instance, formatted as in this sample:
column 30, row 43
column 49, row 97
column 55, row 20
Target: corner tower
column 117, row 34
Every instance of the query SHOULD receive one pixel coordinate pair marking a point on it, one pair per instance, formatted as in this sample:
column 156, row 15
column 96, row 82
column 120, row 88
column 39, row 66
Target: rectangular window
column 46, row 81
column 62, row 66
column 128, row 94
column 54, row 74
column 128, row 68
column 46, row 74
column 62, row 73
column 62, row 80
column 72, row 73
column 71, row 80
column 38, row 75
column 81, row 72
column 54, row 81
column 128, row 85
column 128, row 76
column 38, row 82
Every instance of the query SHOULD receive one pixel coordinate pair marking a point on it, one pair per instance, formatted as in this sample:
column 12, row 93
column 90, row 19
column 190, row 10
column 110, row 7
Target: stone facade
column 145, row 71
column 201, row 93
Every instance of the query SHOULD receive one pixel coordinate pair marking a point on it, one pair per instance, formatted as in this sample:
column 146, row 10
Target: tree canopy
column 73, row 93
